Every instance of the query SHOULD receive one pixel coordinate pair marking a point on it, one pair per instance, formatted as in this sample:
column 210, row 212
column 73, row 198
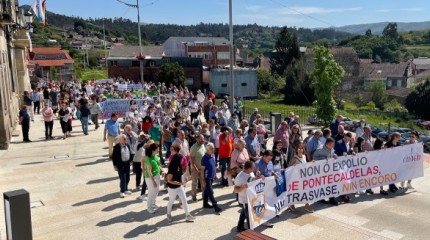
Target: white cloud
column 400, row 10
column 314, row 10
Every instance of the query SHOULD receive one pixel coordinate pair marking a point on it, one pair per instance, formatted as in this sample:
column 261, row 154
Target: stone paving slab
column 79, row 189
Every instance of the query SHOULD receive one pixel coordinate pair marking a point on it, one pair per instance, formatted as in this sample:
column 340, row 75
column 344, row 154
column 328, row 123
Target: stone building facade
column 14, row 78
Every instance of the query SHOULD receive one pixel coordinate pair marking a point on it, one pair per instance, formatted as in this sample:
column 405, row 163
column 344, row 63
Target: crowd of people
column 177, row 136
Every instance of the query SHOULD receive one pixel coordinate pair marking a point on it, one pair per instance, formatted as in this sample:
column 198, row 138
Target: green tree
column 53, row 73
column 326, row 76
column 379, row 93
column 286, row 52
column 268, row 83
column 369, row 32
column 390, row 31
column 418, row 101
column 171, row 73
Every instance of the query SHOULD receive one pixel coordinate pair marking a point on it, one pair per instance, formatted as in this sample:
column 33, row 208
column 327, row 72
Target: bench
column 252, row 235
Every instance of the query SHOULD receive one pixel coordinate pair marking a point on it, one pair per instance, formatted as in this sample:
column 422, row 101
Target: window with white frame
column 223, row 55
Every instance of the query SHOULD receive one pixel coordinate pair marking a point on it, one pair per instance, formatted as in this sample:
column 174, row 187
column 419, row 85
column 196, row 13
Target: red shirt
column 146, row 126
column 225, row 147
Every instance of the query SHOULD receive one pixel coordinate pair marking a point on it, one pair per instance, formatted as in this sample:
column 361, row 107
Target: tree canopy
column 326, row 76
column 418, row 101
column 171, row 73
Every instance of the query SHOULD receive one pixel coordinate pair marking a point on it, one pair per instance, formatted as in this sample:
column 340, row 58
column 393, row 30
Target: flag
column 44, row 13
column 38, row 11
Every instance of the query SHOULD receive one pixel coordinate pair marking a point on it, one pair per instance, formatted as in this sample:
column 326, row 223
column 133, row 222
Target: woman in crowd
column 393, row 142
column 146, row 124
column 413, row 138
column 175, row 188
column 152, row 175
column 167, row 137
column 358, row 148
column 65, row 122
column 299, row 158
column 279, row 158
column 378, row 145
column 225, row 149
column 238, row 158
column 139, row 152
column 295, row 137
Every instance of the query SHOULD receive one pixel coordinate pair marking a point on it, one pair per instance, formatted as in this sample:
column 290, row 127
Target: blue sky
column 303, row 13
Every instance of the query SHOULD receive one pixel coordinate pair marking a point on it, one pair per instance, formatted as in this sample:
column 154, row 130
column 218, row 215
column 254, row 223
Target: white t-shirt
column 239, row 180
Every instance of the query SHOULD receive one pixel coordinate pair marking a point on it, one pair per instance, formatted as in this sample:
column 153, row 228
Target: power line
column 304, row 14
column 135, row 5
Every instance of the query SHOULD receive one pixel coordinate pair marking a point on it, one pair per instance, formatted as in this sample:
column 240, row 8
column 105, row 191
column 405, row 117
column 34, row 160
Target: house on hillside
column 45, row 58
column 422, row 67
column 215, row 51
column 393, row 75
column 123, row 61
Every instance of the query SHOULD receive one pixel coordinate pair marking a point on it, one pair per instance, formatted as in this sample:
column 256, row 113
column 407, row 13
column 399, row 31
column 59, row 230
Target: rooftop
column 209, row 40
column 382, row 70
column 134, row 51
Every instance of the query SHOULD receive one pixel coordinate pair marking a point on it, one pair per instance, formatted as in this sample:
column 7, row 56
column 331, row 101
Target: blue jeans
column 224, row 163
column 208, row 194
column 124, row 177
column 84, row 122
column 167, row 145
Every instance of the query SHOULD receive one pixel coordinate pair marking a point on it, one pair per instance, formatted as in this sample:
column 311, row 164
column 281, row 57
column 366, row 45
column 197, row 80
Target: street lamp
column 141, row 57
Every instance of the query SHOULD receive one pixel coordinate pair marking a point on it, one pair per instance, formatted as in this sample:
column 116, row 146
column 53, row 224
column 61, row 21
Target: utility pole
column 141, row 57
column 230, row 5
column 104, row 44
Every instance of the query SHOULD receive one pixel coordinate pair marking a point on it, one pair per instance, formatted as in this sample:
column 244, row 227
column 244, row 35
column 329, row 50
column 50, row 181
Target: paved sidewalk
column 79, row 190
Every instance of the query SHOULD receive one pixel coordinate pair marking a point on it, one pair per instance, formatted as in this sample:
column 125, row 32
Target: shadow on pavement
column 33, row 163
column 102, row 180
column 105, row 198
column 120, row 205
column 100, row 160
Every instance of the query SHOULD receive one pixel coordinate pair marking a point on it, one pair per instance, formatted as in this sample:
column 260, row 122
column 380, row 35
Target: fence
column 303, row 114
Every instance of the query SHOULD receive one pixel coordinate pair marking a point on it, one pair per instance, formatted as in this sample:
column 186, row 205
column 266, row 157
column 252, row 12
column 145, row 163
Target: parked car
column 425, row 124
column 400, row 130
column 376, row 130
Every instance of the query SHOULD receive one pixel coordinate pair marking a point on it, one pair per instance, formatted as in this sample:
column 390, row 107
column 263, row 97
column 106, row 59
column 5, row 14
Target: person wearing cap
column 335, row 124
column 253, row 116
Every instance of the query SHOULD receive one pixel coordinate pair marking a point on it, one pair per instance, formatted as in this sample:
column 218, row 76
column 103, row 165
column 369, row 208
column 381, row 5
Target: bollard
column 18, row 215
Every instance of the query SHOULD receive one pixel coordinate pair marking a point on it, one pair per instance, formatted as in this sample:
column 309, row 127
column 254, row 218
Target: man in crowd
column 111, row 132
column 340, row 133
column 335, row 124
column 313, row 144
column 28, row 102
column 368, row 139
column 197, row 152
column 121, row 158
column 252, row 145
column 24, row 121
column 36, row 100
column 95, row 110
column 209, row 171
column 240, row 186
column 325, row 153
column 156, row 132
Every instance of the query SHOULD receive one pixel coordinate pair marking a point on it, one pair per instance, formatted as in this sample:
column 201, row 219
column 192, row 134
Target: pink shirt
column 238, row 157
column 184, row 161
column 48, row 114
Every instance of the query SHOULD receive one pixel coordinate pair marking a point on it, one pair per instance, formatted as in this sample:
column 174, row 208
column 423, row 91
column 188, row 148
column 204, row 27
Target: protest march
column 168, row 136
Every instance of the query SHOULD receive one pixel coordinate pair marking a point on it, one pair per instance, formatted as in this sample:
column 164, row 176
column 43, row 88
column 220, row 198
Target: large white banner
column 311, row 182
column 130, row 87
column 118, row 106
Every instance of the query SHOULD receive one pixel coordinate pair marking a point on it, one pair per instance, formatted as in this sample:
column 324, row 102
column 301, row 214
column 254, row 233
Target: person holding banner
column 264, row 168
column 299, row 158
column 413, row 138
column 393, row 142
column 240, row 186
column 326, row 153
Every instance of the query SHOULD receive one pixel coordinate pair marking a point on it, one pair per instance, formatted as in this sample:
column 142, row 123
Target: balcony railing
column 6, row 12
